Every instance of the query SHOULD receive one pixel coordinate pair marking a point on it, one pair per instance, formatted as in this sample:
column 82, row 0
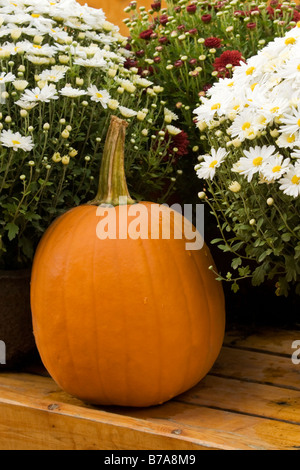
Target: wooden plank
column 44, row 417
column 257, row 367
column 245, row 397
column 276, row 341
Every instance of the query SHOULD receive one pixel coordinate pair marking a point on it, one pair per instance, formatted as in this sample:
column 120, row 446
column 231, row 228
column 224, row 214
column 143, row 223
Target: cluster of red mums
column 232, row 57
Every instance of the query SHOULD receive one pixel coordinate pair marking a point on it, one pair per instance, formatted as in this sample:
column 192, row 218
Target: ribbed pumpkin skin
column 123, row 322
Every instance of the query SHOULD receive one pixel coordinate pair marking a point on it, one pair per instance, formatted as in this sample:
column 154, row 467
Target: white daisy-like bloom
column 72, row 92
column 127, row 112
column 7, row 77
column 100, row 96
column 16, row 141
column 290, row 183
column 207, row 168
column 254, row 160
column 286, row 140
column 172, row 130
column 95, row 62
column 47, row 93
column 290, row 122
column 20, row 85
column 52, row 75
column 170, row 116
column 26, row 104
column 296, row 153
column 245, row 125
column 275, row 167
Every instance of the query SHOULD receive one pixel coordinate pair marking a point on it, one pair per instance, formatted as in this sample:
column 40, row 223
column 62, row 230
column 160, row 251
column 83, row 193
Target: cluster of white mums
column 50, row 27
column 259, row 105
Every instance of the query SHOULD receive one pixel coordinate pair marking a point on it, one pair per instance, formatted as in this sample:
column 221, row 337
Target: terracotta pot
column 16, row 334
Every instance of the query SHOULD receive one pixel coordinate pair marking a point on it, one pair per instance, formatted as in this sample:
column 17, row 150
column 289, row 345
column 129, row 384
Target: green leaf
column 235, row 287
column 236, row 262
column 12, row 229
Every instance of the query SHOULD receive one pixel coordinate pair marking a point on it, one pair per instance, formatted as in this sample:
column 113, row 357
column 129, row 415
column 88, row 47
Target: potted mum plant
column 63, row 72
column 251, row 173
column 186, row 46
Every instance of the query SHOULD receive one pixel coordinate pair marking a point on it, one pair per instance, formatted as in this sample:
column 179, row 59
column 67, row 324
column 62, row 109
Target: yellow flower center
column 213, row 163
column 257, row 161
column 99, row 95
column 290, row 41
column 250, row 70
column 290, row 139
column 298, row 122
column 246, row 125
column 37, row 97
column 253, row 86
column 273, row 110
column 216, row 106
column 298, row 67
column 295, row 179
column 16, row 142
column 276, row 168
column 230, row 84
column 37, row 46
column 35, row 15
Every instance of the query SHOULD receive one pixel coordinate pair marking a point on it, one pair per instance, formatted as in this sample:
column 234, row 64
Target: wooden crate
column 249, row 401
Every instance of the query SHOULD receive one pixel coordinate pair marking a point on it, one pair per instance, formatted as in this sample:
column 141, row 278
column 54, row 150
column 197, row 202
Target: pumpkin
column 123, row 320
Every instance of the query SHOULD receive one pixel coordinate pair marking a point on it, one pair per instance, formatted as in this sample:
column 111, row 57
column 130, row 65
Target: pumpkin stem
column 112, row 187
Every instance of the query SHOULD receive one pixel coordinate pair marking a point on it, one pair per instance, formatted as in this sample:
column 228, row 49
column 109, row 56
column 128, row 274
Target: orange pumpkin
column 114, row 10
column 123, row 321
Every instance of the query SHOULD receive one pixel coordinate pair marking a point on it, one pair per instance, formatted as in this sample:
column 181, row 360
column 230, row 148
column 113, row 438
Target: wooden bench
column 249, row 401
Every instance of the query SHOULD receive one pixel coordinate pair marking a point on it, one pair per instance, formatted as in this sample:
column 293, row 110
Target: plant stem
column 113, row 188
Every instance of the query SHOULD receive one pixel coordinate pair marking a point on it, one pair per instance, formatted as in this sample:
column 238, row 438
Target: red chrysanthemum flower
column 146, row 34
column 227, row 57
column 213, row 43
column 251, row 25
column 206, row 18
column 179, row 142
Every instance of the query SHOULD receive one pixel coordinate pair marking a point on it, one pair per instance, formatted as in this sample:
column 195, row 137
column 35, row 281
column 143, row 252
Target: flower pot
column 16, row 334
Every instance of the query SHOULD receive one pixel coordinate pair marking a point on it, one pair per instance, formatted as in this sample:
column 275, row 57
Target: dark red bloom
column 130, row 63
column 193, row 31
column 193, row 62
column 163, row 40
column 206, row 18
column 213, row 42
column 296, row 16
column 251, row 25
column 156, row 6
column 179, row 142
column 227, row 57
column 157, row 59
column 140, row 53
column 177, row 9
column 206, row 87
column 163, row 19
column 191, row 8
column 178, row 63
column 181, row 27
column 146, row 34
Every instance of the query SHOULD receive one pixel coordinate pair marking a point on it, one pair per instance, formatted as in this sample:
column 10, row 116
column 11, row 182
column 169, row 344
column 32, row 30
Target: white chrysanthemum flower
column 287, row 140
column 170, row 116
column 16, row 141
column 290, row 122
column 172, row 130
column 100, row 96
column 52, row 75
column 72, row 92
column 253, row 161
column 290, row 183
column 7, row 77
column 127, row 112
column 47, row 93
column 20, row 85
column 207, row 168
column 275, row 167
column 245, row 125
